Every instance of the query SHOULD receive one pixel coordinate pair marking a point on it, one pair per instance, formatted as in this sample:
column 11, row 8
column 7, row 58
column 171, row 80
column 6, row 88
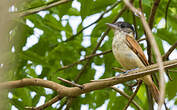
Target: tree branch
column 166, row 12
column 35, row 10
column 87, row 57
column 150, row 22
column 119, row 69
column 132, row 97
column 47, row 104
column 71, row 83
column 128, row 97
column 169, row 51
column 101, row 16
column 69, row 102
column 100, row 84
column 134, row 23
column 153, row 12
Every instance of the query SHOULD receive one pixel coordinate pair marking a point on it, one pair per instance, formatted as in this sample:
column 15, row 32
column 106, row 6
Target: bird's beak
column 111, row 25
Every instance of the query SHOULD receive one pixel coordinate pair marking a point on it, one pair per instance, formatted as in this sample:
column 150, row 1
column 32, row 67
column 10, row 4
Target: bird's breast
column 124, row 55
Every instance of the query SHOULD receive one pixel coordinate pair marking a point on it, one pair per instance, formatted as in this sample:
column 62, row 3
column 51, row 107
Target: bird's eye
column 122, row 26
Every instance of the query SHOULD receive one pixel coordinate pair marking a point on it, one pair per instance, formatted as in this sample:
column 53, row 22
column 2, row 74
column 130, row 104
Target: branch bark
column 35, row 10
column 133, row 95
column 50, row 102
column 169, row 51
column 100, row 84
column 151, row 22
column 127, row 96
column 101, row 16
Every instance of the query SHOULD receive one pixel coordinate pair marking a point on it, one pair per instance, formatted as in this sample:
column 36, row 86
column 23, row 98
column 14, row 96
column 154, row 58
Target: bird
column 129, row 54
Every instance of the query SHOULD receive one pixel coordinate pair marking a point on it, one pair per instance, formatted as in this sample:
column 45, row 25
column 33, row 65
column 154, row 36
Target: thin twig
column 169, row 51
column 47, row 104
column 173, row 71
column 150, row 99
column 139, row 40
column 87, row 57
column 153, row 12
column 133, row 95
column 134, row 23
column 166, row 12
column 166, row 57
column 168, row 75
column 69, row 102
column 150, row 22
column 156, row 51
column 126, row 96
column 62, row 104
column 140, row 5
column 71, row 83
column 101, row 16
column 35, row 10
column 119, row 69
column 82, row 71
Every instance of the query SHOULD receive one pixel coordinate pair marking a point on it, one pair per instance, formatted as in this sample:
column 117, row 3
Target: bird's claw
column 130, row 70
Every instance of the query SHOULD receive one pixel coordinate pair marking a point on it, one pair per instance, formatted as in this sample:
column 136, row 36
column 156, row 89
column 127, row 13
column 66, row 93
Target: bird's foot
column 130, row 70
column 121, row 74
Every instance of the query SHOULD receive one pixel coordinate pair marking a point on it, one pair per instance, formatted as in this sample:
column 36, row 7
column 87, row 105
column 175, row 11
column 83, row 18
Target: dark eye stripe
column 124, row 25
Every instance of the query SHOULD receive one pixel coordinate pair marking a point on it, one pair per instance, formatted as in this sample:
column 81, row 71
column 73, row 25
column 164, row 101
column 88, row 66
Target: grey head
column 122, row 26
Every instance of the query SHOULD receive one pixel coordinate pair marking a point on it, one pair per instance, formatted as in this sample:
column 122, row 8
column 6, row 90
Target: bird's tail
column 154, row 91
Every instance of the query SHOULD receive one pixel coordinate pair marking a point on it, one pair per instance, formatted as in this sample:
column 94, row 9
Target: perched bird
column 129, row 53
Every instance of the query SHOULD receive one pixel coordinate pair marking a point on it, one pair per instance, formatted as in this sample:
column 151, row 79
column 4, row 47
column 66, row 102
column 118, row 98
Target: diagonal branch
column 135, row 25
column 71, row 83
column 35, row 10
column 69, row 102
column 156, row 51
column 153, row 12
column 87, row 57
column 101, row 16
column 169, row 51
column 150, row 22
column 50, row 102
column 166, row 12
column 127, row 96
column 133, row 95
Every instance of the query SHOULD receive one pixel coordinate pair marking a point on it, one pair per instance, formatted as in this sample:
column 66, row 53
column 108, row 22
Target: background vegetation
column 42, row 42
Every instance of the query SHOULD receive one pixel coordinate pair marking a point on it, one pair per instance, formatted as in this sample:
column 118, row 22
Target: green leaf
column 160, row 45
column 73, row 12
column 170, row 89
column 170, row 37
column 24, row 95
column 61, row 10
column 85, row 8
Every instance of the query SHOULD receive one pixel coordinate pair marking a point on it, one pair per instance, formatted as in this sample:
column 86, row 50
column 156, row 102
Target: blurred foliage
column 50, row 51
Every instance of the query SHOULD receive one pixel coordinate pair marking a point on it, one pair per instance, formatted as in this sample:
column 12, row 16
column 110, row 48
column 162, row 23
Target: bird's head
column 122, row 27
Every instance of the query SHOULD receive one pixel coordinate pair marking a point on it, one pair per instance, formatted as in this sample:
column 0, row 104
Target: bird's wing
column 135, row 47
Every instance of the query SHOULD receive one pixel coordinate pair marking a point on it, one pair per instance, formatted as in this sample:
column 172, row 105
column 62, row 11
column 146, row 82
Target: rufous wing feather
column 133, row 44
column 135, row 47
